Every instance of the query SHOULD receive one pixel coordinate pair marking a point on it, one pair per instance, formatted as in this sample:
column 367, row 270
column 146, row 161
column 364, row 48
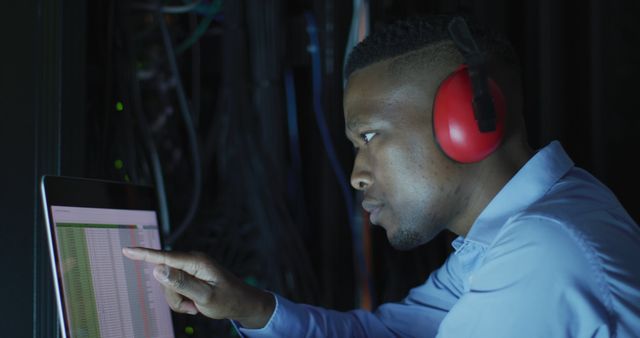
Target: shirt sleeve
column 539, row 279
column 418, row 315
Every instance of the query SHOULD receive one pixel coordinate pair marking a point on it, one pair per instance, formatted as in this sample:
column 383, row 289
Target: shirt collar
column 530, row 183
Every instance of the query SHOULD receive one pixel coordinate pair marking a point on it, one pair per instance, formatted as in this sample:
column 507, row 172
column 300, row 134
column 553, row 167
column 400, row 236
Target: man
column 544, row 249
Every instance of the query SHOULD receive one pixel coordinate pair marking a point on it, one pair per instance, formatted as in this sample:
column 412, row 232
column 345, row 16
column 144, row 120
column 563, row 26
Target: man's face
column 410, row 188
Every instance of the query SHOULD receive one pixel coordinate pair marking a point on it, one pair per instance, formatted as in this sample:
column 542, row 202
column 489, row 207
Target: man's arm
column 418, row 315
column 195, row 284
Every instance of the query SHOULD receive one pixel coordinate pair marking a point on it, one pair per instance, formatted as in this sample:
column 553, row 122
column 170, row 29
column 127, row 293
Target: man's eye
column 366, row 137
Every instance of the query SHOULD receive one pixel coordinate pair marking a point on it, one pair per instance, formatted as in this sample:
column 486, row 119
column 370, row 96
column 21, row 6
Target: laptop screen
column 104, row 294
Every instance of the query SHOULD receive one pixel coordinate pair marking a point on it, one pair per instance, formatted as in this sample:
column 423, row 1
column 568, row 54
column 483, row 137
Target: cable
column 292, row 120
column 168, row 9
column 156, row 166
column 316, row 67
column 319, row 112
column 191, row 133
column 195, row 74
column 295, row 186
column 202, row 27
column 194, row 7
column 358, row 31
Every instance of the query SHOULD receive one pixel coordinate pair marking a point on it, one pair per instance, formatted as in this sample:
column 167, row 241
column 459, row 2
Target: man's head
column 411, row 188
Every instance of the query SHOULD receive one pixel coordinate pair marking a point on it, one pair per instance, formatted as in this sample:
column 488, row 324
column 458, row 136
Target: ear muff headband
column 469, row 108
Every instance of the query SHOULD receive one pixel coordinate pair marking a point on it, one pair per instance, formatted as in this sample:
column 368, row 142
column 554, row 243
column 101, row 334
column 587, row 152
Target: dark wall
column 17, row 138
column 41, row 132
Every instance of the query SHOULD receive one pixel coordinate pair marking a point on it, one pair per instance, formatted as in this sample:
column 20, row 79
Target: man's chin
column 403, row 240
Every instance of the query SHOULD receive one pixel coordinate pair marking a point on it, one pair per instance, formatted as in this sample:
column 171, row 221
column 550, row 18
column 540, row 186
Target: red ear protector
column 469, row 108
column 454, row 124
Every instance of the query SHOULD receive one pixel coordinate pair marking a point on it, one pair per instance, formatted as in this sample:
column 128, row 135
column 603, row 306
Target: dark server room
column 364, row 168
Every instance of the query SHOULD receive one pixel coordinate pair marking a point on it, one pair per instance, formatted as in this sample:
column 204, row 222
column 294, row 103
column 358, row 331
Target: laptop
column 99, row 292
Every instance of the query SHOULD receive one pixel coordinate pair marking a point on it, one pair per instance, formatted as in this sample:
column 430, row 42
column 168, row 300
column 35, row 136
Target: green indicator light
column 126, row 178
column 118, row 164
column 188, row 330
column 251, row 281
column 119, row 106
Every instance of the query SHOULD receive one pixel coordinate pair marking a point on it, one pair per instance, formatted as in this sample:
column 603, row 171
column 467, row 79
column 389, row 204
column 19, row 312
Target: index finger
column 176, row 260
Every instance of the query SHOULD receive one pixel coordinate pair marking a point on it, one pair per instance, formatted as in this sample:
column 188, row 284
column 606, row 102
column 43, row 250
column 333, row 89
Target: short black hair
column 409, row 35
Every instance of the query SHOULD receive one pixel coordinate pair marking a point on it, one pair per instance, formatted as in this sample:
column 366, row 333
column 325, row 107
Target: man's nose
column 361, row 178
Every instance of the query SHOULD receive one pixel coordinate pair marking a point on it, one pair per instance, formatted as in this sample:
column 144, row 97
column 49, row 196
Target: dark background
column 270, row 207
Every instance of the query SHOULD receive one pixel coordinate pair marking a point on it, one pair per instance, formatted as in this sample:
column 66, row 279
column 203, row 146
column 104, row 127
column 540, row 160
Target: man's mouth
column 373, row 208
column 374, row 215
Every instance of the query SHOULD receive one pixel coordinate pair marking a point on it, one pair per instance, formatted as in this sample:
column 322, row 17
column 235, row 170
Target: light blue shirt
column 554, row 254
